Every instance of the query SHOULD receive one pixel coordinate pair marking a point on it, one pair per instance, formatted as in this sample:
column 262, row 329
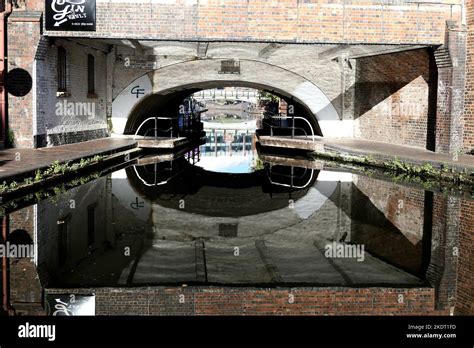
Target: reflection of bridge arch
column 252, row 193
column 165, row 88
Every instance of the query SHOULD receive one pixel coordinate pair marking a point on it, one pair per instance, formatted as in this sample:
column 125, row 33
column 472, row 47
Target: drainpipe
column 3, row 69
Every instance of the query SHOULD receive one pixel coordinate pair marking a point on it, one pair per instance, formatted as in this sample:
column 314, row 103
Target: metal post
column 293, row 126
column 156, row 127
column 215, row 142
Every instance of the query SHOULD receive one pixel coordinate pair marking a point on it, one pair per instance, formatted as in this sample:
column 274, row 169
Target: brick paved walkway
column 378, row 150
column 15, row 162
column 407, row 154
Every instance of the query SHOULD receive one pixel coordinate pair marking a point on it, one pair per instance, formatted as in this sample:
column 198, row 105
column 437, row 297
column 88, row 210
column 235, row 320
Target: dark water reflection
column 172, row 222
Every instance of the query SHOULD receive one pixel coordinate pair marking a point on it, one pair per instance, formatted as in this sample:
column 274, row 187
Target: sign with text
column 230, row 67
column 70, row 15
column 70, row 304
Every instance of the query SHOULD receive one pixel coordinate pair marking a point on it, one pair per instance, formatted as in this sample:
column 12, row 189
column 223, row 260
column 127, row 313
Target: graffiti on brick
column 137, row 91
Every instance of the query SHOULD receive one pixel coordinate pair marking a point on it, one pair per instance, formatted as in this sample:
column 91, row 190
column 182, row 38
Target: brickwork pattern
column 64, row 128
column 25, row 288
column 21, row 56
column 391, row 98
column 403, row 207
column 469, row 87
column 254, row 301
column 465, row 280
column 339, row 21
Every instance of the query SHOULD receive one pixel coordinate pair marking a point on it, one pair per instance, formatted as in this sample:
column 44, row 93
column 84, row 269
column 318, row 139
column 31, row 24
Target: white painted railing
column 293, row 118
column 155, row 175
column 156, row 129
column 291, row 176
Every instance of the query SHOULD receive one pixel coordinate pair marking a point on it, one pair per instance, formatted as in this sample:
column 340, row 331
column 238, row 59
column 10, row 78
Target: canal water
column 234, row 216
column 247, row 222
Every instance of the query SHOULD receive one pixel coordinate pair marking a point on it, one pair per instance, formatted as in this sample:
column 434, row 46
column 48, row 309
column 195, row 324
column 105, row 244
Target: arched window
column 62, row 70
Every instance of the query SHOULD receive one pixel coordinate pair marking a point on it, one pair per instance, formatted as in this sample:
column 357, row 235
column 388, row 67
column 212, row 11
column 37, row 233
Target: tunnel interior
column 168, row 103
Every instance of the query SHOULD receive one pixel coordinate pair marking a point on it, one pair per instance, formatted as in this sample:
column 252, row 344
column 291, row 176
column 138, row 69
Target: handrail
column 293, row 127
column 291, row 186
column 288, row 175
column 154, row 184
column 156, row 118
column 160, row 129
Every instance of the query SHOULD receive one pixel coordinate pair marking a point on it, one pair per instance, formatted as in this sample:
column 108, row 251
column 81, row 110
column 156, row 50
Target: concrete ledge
column 359, row 148
column 382, row 155
column 297, row 143
column 162, row 143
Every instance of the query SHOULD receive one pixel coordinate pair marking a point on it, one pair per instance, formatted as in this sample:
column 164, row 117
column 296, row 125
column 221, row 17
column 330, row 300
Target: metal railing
column 156, row 173
column 291, row 176
column 293, row 128
column 156, row 129
column 224, row 93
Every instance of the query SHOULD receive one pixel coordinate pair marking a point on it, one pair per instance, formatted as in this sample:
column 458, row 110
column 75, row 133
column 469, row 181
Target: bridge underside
column 381, row 92
column 342, row 90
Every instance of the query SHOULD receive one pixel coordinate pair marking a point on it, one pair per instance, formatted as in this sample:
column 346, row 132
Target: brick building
column 394, row 71
column 387, row 71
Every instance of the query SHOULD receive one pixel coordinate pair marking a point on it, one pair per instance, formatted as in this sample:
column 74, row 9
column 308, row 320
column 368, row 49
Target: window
column 90, row 75
column 62, row 70
column 90, row 225
column 63, row 239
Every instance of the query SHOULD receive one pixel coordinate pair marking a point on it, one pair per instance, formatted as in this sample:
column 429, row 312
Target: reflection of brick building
column 378, row 88
column 25, row 295
column 375, row 213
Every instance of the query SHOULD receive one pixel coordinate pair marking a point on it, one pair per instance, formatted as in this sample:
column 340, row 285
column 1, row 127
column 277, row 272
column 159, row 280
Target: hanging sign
column 70, row 15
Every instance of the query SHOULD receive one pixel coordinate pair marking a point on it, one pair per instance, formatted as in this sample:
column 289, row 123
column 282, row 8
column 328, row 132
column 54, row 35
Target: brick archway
column 204, row 74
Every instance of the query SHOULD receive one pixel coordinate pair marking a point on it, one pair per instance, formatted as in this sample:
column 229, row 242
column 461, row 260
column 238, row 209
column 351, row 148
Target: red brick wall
column 25, row 288
column 469, row 89
column 22, row 45
column 391, row 98
column 400, row 240
column 282, row 20
column 465, row 280
column 252, row 301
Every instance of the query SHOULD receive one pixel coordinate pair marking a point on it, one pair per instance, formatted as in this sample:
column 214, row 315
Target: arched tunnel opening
column 224, row 118
column 272, row 102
